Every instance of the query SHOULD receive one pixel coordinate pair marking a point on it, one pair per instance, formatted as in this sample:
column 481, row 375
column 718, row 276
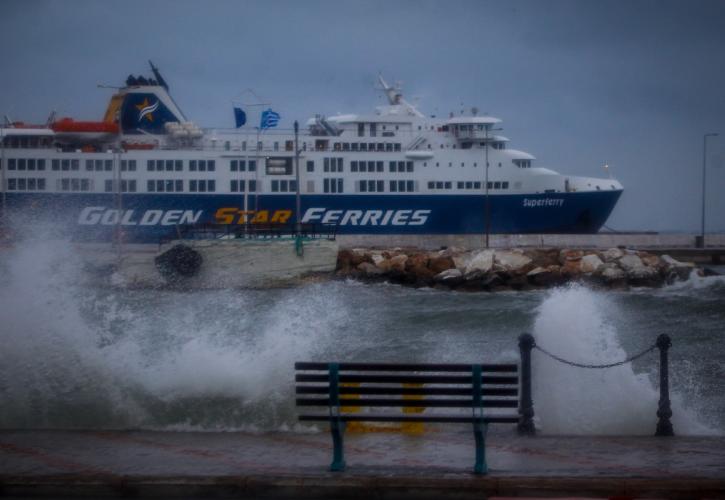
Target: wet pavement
column 380, row 465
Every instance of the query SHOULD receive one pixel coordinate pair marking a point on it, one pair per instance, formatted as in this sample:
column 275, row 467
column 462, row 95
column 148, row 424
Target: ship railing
column 251, row 231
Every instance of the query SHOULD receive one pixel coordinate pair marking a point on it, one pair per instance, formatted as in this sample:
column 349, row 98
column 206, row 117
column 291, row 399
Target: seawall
column 471, row 241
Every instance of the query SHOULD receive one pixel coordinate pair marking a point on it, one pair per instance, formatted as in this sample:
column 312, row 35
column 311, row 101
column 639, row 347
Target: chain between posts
column 608, row 365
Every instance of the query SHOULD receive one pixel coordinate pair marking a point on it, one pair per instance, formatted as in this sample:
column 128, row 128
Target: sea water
column 77, row 355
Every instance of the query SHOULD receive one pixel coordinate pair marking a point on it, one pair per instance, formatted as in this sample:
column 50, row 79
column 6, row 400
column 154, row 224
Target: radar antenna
column 159, row 78
column 395, row 97
column 393, row 94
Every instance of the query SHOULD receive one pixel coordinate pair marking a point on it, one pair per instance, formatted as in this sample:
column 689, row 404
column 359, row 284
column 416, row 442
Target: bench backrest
column 347, row 386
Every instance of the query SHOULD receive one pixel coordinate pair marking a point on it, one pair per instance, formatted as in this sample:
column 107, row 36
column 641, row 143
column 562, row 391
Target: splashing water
column 75, row 356
column 78, row 356
column 571, row 323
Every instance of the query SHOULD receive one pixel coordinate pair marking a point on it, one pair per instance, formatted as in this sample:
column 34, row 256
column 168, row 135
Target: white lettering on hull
column 366, row 217
column 92, row 216
column 544, row 202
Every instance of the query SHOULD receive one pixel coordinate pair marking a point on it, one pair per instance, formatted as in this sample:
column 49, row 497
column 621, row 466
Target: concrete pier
column 436, row 464
column 600, row 240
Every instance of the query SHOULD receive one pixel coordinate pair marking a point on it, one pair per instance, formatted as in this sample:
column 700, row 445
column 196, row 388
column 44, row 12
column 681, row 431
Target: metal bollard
column 664, row 411
column 526, row 407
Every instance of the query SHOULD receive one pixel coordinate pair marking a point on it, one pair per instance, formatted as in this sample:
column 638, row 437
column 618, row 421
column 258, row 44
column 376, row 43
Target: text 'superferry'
column 146, row 168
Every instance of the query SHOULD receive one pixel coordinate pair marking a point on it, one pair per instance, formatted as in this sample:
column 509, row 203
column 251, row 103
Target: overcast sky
column 634, row 84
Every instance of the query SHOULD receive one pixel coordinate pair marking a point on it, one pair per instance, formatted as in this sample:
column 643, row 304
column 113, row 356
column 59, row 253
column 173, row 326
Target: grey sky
column 634, row 84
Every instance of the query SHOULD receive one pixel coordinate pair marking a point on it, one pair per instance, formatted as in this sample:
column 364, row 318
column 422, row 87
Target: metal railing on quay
column 256, row 231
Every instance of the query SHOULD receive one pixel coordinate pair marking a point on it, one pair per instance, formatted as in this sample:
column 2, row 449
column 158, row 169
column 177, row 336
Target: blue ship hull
column 146, row 218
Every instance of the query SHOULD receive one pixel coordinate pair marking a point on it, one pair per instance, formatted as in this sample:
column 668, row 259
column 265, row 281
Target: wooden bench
column 455, row 393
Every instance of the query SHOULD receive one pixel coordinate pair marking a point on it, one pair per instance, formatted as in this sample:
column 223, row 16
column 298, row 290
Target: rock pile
column 511, row 269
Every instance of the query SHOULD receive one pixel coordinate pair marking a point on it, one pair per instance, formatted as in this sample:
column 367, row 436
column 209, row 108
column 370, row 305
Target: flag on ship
column 240, row 117
column 269, row 119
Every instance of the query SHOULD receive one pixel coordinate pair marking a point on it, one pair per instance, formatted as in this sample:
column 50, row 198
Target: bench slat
column 411, row 403
column 413, row 367
column 407, row 391
column 495, row 419
column 408, row 379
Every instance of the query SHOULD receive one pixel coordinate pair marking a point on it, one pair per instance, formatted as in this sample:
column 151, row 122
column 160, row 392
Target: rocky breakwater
column 511, row 269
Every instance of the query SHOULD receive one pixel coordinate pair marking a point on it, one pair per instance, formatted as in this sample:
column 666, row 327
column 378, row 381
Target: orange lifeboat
column 67, row 129
column 137, row 145
column 68, row 125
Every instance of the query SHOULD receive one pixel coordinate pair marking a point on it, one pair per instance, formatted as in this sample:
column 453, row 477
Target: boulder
column 590, row 263
column 416, row 260
column 543, row 257
column 377, row 257
column 635, row 268
column 344, row 260
column 481, row 261
column 493, row 280
column 358, row 256
column 546, row 276
column 420, row 274
column 395, row 263
column 670, row 262
column 440, row 264
column 612, row 254
column 610, row 272
column 677, row 270
column 652, row 261
column 511, row 261
column 567, row 254
column 449, row 277
column 369, row 269
column 461, row 261
column 571, row 268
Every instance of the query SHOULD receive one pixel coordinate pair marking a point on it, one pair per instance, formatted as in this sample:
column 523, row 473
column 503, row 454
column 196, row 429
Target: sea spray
column 78, row 356
column 574, row 323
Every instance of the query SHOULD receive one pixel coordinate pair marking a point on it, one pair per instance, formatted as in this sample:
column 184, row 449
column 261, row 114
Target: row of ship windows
column 323, row 145
column 467, row 185
column 240, row 186
column 329, row 165
column 177, row 186
column 178, row 165
column 68, row 164
column 377, row 166
column 35, row 184
column 382, row 147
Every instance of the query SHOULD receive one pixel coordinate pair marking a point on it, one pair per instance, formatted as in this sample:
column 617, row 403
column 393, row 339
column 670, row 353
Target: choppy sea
column 75, row 355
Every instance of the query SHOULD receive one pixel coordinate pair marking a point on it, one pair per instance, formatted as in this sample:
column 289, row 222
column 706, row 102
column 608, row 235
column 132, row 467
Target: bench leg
column 338, row 452
column 479, row 431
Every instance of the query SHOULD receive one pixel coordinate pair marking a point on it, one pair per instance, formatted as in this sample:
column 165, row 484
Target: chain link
column 608, row 365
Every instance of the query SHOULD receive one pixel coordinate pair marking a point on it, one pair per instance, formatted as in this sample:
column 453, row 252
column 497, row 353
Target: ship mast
column 395, row 97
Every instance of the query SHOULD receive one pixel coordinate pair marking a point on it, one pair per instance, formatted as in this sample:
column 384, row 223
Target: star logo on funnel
column 146, row 110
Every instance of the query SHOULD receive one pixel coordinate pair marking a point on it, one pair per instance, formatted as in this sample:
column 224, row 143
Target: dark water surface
column 78, row 356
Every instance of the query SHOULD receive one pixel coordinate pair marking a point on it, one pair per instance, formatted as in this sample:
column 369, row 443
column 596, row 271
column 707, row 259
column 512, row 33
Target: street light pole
column 298, row 201
column 701, row 242
column 488, row 205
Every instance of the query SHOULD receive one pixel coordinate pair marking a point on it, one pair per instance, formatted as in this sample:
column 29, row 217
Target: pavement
column 437, row 463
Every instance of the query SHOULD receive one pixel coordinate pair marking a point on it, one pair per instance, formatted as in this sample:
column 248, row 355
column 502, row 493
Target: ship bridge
column 474, row 128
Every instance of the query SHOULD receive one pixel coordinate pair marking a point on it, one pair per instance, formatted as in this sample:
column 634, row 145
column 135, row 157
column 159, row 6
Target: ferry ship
column 145, row 169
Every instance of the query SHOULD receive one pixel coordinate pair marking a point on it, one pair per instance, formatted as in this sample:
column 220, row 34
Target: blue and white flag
column 269, row 119
column 240, row 117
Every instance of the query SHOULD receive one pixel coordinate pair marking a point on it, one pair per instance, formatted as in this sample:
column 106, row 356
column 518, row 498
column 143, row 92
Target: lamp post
column 487, row 222
column 700, row 242
column 298, row 202
column 3, row 167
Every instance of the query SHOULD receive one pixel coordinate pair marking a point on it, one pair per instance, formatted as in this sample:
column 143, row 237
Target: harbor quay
column 436, row 463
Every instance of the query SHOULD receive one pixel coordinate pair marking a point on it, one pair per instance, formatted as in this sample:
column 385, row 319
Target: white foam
column 75, row 356
column 572, row 322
